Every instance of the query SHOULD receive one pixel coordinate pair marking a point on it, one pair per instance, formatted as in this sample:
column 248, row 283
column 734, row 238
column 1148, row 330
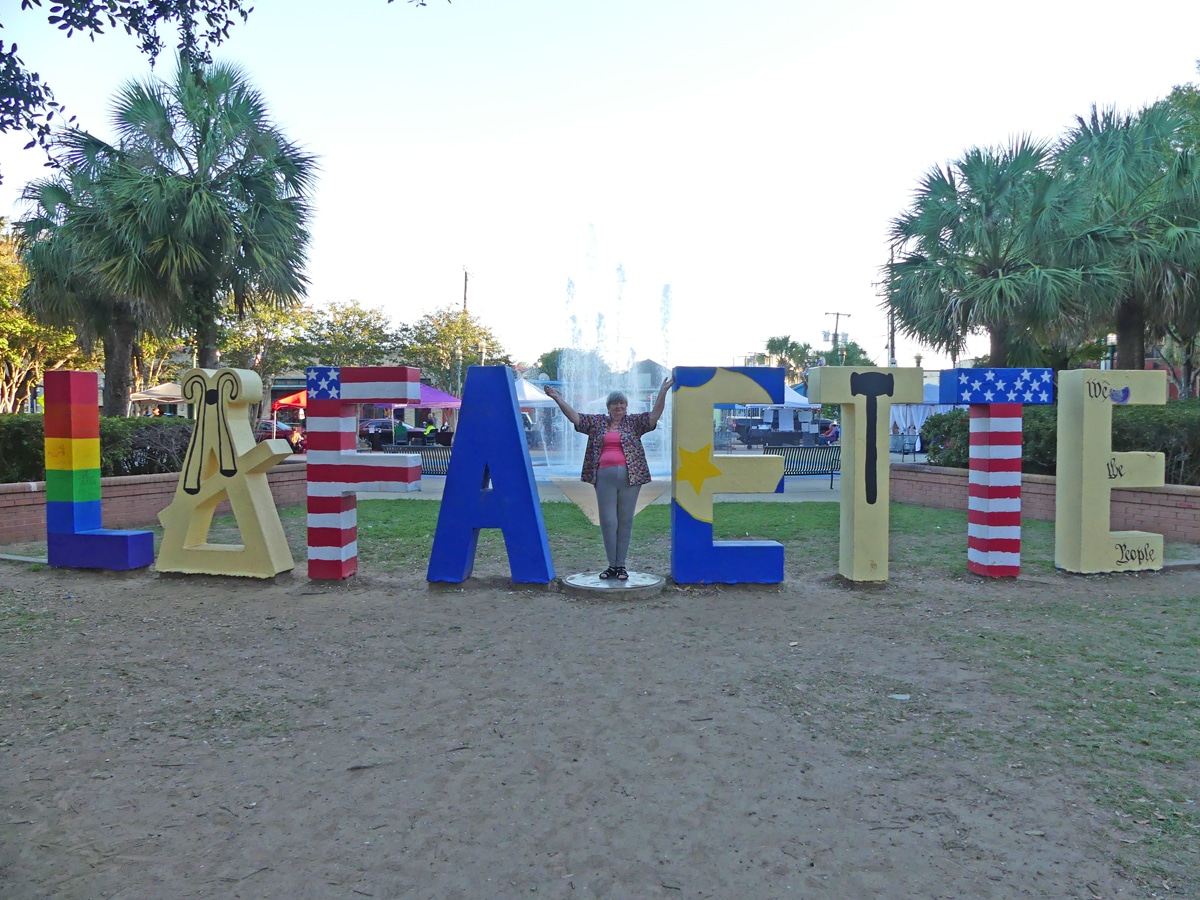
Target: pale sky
column 747, row 154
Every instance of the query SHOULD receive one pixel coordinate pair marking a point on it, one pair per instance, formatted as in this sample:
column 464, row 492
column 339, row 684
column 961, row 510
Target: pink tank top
column 611, row 452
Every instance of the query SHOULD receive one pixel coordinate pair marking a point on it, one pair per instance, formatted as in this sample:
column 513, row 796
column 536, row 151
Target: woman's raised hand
column 554, row 395
column 660, row 402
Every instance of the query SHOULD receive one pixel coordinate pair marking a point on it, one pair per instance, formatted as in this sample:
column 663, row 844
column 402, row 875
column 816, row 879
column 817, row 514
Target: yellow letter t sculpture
column 866, row 396
column 223, row 461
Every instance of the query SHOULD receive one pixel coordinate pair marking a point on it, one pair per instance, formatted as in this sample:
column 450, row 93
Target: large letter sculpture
column 336, row 470
column 1088, row 470
column 489, row 484
column 997, row 398
column 74, row 538
column 695, row 557
column 866, row 396
column 224, row 461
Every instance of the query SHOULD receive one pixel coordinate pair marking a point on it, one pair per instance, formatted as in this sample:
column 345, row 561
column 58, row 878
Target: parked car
column 743, row 425
column 374, row 426
column 387, row 427
column 758, row 435
column 268, row 429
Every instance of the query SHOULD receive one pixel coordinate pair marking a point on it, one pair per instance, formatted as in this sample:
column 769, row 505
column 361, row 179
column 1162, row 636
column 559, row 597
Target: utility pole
column 891, row 312
column 891, row 337
column 837, row 317
column 466, row 275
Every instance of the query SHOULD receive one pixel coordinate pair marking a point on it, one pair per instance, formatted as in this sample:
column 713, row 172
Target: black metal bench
column 824, row 460
column 434, row 458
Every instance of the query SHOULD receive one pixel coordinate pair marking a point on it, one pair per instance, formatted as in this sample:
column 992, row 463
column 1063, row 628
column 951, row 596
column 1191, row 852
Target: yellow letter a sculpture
column 223, row 461
column 1088, row 470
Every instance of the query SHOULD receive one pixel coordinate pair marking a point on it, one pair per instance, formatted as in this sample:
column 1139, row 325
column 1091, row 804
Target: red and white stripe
column 994, row 516
column 336, row 473
column 380, row 384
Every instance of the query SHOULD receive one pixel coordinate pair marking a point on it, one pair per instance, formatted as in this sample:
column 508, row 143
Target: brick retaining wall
column 133, row 501
column 1172, row 511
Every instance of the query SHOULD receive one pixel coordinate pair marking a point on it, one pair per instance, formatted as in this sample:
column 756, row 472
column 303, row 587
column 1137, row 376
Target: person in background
column 296, row 438
column 430, row 428
column 831, row 435
column 615, row 463
column 399, row 431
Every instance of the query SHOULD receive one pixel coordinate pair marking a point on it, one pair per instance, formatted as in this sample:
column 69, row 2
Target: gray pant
column 617, row 501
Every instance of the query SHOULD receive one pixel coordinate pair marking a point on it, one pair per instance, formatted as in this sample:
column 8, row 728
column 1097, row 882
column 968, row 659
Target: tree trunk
column 8, row 388
column 1059, row 360
column 206, row 346
column 26, row 389
column 205, row 312
column 999, row 346
column 118, row 361
column 1131, row 334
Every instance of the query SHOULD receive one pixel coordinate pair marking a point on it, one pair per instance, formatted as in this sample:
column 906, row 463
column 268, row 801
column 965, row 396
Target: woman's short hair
column 616, row 397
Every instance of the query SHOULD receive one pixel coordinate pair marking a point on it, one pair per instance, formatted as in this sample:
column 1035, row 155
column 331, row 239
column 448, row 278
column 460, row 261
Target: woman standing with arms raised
column 615, row 463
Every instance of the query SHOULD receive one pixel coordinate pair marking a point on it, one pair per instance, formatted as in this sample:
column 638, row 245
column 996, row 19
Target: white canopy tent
column 909, row 417
column 529, row 395
column 792, row 399
column 795, row 400
column 163, row 393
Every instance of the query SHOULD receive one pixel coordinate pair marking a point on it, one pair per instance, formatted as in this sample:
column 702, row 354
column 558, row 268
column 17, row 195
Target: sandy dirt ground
column 169, row 737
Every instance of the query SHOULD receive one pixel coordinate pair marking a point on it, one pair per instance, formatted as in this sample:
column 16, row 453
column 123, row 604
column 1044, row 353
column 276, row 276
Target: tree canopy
column 27, row 347
column 974, row 253
column 203, row 202
column 27, row 101
column 266, row 339
column 346, row 334
column 67, row 288
column 1051, row 246
column 549, row 362
column 1137, row 182
column 445, row 343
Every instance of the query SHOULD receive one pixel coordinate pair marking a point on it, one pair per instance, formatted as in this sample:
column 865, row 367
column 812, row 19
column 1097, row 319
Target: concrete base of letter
column 590, row 584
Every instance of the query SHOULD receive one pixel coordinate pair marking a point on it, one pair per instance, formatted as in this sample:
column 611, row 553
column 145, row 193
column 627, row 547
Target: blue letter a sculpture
column 489, row 484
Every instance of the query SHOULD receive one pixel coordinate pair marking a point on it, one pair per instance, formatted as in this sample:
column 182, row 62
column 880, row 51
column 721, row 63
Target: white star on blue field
column 324, row 382
column 1028, row 386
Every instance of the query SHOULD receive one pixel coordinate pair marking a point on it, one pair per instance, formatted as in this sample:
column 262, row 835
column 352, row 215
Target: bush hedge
column 145, row 446
column 22, row 449
column 1173, row 430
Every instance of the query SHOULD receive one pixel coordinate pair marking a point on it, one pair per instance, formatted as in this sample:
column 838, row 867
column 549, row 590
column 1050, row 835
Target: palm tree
column 1140, row 185
column 205, row 202
column 789, row 355
column 66, row 288
column 979, row 250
